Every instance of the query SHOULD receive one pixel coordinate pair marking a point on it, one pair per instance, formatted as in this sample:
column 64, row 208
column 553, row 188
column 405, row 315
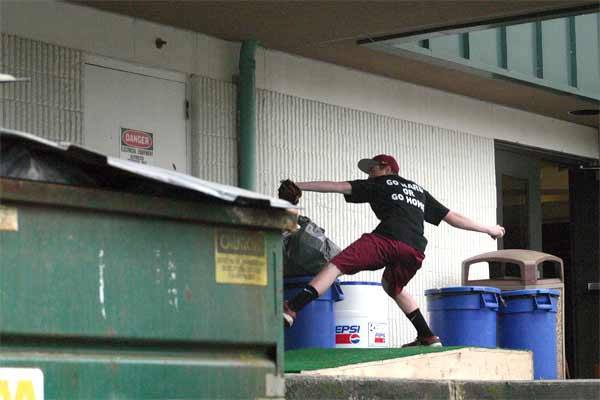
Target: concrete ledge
column 304, row 387
column 528, row 390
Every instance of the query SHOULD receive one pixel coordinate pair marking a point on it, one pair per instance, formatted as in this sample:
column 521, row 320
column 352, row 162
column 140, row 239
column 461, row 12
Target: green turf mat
column 311, row 359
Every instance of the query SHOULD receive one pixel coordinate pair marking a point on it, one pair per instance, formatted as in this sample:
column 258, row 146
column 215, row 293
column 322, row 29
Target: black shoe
column 430, row 341
column 289, row 315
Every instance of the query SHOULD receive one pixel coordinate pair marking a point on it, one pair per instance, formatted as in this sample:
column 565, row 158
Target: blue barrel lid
column 360, row 283
column 462, row 289
column 530, row 292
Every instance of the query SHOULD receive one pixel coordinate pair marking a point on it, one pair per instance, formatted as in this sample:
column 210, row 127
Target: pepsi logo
column 347, row 338
column 347, row 329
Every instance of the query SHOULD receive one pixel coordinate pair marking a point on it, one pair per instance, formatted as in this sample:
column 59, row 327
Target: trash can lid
column 303, row 279
column 462, row 289
column 360, row 283
column 530, row 292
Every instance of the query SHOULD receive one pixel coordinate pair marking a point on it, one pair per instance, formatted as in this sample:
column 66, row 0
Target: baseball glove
column 289, row 191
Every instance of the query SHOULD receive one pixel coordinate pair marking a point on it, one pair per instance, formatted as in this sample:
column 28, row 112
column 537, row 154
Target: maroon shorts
column 372, row 252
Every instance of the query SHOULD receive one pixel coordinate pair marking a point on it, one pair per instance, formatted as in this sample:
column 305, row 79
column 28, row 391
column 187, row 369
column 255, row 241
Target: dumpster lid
column 107, row 164
column 527, row 257
column 530, row 292
column 462, row 289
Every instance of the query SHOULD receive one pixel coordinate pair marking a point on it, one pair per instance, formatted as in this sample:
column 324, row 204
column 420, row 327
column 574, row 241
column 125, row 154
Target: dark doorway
column 585, row 279
column 547, row 203
column 556, row 238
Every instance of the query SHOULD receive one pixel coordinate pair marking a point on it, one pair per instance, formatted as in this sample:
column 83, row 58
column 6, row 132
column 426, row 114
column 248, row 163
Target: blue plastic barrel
column 528, row 322
column 464, row 315
column 314, row 326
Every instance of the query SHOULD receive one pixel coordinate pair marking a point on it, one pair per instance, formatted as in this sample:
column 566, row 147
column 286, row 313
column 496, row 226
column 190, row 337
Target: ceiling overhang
column 330, row 31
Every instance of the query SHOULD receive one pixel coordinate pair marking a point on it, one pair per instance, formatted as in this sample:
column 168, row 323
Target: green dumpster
column 116, row 294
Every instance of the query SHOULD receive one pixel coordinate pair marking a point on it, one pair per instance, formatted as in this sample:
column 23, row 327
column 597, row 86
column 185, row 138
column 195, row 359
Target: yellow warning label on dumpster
column 21, row 384
column 9, row 219
column 240, row 257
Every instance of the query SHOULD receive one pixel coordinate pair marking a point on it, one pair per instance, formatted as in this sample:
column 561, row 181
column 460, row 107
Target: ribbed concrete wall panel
column 214, row 137
column 307, row 140
column 51, row 104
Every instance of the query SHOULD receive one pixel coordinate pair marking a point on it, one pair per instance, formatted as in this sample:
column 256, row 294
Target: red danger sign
column 137, row 139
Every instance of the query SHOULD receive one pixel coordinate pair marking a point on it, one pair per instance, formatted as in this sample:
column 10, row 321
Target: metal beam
column 572, row 52
column 465, row 47
column 539, row 56
column 502, row 47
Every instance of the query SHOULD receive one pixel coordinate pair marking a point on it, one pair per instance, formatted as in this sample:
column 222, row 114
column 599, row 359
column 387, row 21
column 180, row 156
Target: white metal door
column 117, row 100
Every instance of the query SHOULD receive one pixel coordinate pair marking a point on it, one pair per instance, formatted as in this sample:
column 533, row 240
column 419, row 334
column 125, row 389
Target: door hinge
column 187, row 109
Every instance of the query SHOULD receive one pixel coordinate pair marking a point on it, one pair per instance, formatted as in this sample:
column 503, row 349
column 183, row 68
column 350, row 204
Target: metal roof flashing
column 76, row 154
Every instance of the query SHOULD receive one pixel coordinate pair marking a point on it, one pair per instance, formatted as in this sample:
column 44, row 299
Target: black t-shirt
column 401, row 206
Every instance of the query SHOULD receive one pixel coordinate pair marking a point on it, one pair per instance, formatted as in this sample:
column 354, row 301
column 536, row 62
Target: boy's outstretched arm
column 460, row 221
column 325, row 187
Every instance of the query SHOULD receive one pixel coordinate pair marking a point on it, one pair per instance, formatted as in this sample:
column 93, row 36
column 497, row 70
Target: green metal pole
column 247, row 116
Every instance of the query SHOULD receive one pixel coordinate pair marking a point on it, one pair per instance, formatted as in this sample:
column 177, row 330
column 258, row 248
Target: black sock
column 307, row 295
column 420, row 324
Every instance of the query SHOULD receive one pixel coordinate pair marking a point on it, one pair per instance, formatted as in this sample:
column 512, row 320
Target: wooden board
column 463, row 364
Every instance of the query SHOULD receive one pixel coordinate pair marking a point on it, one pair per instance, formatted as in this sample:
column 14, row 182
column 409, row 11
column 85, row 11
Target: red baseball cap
column 382, row 159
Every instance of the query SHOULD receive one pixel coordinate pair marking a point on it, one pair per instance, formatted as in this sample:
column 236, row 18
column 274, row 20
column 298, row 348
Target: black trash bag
column 308, row 250
column 20, row 160
column 28, row 160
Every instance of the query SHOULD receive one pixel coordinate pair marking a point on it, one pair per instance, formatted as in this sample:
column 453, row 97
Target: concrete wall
column 51, row 105
column 214, row 132
column 308, row 387
column 349, row 88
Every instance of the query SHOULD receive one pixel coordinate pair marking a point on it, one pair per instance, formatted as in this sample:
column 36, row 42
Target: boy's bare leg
column 410, row 308
column 406, row 302
column 325, row 278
